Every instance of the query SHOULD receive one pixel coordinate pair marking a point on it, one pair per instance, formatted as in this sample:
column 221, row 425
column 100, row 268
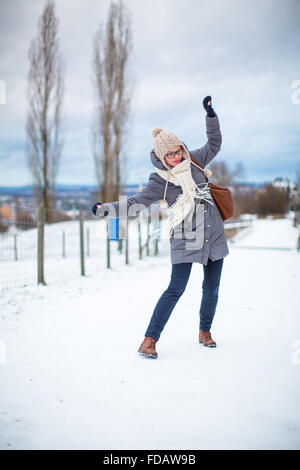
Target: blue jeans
column 179, row 279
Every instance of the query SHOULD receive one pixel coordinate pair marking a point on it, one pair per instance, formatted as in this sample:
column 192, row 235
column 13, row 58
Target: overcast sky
column 243, row 53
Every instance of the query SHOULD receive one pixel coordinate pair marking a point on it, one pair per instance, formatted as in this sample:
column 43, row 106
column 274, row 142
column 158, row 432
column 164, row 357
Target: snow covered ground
column 71, row 377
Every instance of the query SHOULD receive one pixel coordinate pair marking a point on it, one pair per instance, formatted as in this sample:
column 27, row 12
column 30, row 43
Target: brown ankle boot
column 147, row 348
column 206, row 339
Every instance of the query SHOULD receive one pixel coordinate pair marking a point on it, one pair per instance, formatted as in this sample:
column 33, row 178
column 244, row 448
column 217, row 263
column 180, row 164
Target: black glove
column 207, row 107
column 94, row 208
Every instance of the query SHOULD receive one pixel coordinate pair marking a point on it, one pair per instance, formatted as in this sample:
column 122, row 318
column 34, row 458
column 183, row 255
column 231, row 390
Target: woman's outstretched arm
column 135, row 204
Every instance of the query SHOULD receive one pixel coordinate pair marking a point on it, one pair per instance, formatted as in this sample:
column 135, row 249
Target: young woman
column 194, row 224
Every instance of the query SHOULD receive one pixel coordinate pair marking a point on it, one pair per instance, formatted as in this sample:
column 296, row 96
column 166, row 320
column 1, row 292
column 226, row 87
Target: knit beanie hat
column 165, row 141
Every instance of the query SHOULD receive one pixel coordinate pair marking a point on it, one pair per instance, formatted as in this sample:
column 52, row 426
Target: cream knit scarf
column 181, row 175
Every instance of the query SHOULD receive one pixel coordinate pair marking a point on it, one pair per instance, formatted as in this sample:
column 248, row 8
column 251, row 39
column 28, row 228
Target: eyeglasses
column 174, row 154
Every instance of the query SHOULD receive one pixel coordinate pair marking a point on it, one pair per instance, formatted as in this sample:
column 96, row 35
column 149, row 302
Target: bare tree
column 222, row 175
column 45, row 92
column 295, row 202
column 113, row 86
column 239, row 173
column 271, row 201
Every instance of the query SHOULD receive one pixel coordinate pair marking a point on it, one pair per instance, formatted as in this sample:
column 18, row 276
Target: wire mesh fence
column 35, row 251
column 39, row 247
column 18, row 242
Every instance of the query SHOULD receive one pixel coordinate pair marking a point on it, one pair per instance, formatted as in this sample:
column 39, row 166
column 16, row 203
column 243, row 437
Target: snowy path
column 269, row 234
column 72, row 378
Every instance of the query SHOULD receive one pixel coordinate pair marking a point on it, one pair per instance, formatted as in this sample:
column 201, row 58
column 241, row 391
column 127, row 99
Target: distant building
column 282, row 182
column 6, row 212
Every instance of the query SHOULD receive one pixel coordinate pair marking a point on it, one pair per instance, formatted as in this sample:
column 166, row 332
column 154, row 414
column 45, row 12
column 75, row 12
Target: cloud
column 244, row 56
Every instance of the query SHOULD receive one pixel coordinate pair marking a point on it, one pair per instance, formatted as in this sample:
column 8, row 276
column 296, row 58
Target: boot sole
column 208, row 345
column 149, row 355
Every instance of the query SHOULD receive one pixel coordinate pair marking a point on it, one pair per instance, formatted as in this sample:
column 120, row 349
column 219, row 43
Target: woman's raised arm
column 205, row 154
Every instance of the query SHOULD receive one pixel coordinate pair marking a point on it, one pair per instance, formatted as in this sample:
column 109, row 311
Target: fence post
column 15, row 247
column 40, row 244
column 148, row 235
column 81, row 242
column 88, row 241
column 107, row 243
column 121, row 232
column 140, row 239
column 156, row 227
column 127, row 243
column 63, row 244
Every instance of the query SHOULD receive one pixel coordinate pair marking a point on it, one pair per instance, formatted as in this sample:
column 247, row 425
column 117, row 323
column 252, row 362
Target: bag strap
column 199, row 166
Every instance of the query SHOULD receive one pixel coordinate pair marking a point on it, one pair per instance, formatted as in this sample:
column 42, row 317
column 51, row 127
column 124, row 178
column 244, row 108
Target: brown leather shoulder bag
column 222, row 196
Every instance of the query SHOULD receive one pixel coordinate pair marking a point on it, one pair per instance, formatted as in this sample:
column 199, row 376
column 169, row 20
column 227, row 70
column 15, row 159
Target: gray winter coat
column 204, row 237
